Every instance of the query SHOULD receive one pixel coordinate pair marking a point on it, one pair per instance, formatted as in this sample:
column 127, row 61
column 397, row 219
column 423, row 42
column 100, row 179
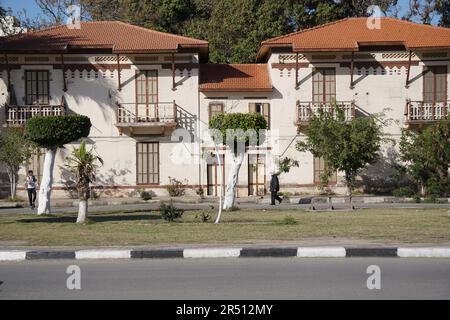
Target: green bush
column 175, row 188
column 169, row 212
column 145, row 195
column 289, row 220
column 404, row 192
column 437, row 188
column 205, row 215
column 56, row 131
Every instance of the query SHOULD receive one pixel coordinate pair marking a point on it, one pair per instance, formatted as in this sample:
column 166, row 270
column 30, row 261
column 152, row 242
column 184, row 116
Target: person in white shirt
column 30, row 185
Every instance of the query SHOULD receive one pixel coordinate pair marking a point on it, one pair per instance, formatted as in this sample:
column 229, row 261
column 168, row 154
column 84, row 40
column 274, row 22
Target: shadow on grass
column 93, row 218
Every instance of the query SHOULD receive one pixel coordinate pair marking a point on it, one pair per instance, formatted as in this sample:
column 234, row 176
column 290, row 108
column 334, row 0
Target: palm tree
column 83, row 165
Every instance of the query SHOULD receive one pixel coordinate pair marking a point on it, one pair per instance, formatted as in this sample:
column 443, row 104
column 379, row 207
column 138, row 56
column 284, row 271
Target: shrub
column 205, row 215
column 406, row 191
column 289, row 220
column 169, row 212
column 175, row 188
column 56, row 131
column 417, row 198
column 200, row 192
column 145, row 195
column 437, row 187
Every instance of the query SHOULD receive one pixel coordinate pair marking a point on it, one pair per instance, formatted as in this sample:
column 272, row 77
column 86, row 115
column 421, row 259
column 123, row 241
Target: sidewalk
column 61, row 206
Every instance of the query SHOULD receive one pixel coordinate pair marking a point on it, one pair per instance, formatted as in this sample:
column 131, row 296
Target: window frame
column 37, row 94
column 324, row 94
column 333, row 178
column 263, row 109
column 157, row 166
column 434, row 83
column 211, row 104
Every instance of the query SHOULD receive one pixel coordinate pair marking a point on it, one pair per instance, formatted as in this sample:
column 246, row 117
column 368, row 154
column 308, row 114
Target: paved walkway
column 245, row 205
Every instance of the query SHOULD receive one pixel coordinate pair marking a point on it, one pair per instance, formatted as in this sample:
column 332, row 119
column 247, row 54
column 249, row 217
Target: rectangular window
column 263, row 109
column 147, row 95
column 319, row 168
column 37, row 85
column 147, row 162
column 324, row 85
column 215, row 108
column 435, row 84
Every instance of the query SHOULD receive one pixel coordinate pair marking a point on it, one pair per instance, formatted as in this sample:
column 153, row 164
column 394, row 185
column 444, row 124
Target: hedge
column 56, row 131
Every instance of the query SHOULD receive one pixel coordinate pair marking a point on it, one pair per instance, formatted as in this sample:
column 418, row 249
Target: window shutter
column 252, row 107
column 266, row 111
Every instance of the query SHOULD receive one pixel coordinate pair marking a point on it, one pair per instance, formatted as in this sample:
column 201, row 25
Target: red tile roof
column 118, row 36
column 235, row 77
column 348, row 34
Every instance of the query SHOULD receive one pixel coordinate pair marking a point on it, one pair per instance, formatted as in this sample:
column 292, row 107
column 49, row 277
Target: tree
column 234, row 29
column 346, row 146
column 443, row 8
column 15, row 150
column 237, row 131
column 53, row 132
column 83, row 165
column 427, row 157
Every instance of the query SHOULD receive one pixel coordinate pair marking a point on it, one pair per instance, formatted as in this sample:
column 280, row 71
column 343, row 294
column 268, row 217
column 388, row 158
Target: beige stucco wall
column 96, row 96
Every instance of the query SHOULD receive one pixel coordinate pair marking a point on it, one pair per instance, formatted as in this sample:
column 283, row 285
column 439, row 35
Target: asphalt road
column 251, row 278
column 199, row 206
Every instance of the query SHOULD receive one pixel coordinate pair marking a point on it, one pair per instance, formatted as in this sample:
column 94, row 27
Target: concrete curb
column 170, row 253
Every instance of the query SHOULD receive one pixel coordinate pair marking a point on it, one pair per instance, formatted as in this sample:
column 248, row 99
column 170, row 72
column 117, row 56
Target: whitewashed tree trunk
column 220, row 180
column 82, row 211
column 46, row 183
column 13, row 186
column 230, row 194
column 12, row 182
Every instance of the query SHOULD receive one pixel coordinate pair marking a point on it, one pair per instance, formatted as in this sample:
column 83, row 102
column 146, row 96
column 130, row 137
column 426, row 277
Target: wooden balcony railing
column 141, row 113
column 418, row 112
column 306, row 110
column 18, row 115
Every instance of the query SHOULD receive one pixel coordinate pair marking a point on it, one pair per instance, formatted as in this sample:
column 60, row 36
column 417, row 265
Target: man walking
column 30, row 185
column 274, row 188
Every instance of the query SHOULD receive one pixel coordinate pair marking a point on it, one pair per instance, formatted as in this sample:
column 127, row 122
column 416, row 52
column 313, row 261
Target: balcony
column 306, row 110
column 419, row 113
column 17, row 116
column 134, row 119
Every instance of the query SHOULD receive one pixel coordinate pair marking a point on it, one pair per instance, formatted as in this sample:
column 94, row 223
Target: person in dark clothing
column 274, row 188
column 30, row 184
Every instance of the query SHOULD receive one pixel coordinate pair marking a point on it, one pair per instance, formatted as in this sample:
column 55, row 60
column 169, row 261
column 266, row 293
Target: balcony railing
column 18, row 115
column 418, row 112
column 306, row 110
column 133, row 113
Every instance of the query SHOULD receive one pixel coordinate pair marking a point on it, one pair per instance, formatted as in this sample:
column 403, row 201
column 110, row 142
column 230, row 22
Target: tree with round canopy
column 53, row 132
column 237, row 131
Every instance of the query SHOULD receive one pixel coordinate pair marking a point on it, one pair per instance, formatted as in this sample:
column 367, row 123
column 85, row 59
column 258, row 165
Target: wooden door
column 256, row 175
column 147, row 95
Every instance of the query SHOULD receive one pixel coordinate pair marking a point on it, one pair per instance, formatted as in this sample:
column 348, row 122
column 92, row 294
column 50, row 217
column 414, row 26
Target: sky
column 32, row 10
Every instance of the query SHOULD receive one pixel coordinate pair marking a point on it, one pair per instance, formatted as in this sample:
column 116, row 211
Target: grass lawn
column 384, row 225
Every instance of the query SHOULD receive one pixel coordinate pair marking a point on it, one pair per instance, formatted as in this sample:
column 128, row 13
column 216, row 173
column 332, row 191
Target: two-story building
column 150, row 95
